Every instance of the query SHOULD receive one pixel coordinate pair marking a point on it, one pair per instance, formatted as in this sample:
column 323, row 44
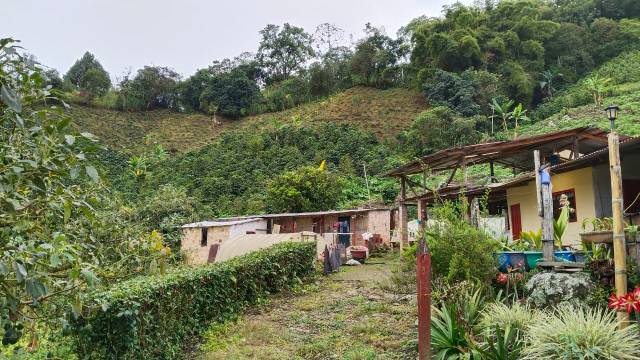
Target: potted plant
column 601, row 231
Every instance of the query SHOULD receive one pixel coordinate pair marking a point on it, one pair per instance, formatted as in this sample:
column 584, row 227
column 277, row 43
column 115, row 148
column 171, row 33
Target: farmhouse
column 202, row 242
column 579, row 168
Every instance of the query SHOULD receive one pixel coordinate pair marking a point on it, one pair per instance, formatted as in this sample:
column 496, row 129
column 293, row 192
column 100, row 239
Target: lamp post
column 612, row 114
column 619, row 246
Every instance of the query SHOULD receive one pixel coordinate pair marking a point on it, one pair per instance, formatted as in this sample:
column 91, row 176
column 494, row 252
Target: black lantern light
column 612, row 114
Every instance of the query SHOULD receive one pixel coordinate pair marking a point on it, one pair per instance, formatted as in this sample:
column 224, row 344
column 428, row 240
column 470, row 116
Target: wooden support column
column 403, row 216
column 619, row 248
column 475, row 212
column 536, row 160
column 423, row 280
column 576, row 147
column 547, row 220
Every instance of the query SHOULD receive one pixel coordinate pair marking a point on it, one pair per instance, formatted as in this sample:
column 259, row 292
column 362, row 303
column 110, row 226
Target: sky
column 185, row 35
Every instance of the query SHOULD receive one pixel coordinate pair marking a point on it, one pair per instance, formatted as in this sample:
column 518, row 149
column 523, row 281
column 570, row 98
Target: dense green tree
column 304, row 190
column 284, row 51
column 228, row 87
column 468, row 93
column 152, row 87
column 375, row 58
column 440, row 128
column 88, row 76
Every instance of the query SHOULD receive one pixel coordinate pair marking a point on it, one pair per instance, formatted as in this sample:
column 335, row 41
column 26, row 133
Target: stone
column 551, row 289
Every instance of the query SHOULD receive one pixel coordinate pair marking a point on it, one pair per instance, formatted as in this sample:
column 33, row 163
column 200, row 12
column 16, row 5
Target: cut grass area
column 344, row 316
column 384, row 112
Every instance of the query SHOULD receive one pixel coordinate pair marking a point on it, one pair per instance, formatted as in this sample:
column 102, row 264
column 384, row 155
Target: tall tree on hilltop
column 88, row 76
column 284, row 51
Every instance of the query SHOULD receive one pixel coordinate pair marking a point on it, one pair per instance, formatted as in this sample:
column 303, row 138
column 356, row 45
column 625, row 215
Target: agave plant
column 501, row 344
column 450, row 339
column 581, row 333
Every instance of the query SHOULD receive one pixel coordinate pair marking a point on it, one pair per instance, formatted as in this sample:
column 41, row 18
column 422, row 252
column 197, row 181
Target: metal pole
column 619, row 250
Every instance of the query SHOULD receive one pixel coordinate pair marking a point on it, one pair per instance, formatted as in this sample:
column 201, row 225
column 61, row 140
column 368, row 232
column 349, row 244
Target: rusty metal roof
column 627, row 144
column 514, row 153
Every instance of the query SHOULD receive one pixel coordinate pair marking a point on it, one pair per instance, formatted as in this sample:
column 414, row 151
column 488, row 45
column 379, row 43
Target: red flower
column 629, row 302
column 614, row 302
column 502, row 278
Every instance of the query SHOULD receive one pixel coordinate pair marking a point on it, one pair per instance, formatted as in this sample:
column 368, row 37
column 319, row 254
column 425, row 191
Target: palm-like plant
column 547, row 83
column 518, row 114
column 597, row 86
column 501, row 110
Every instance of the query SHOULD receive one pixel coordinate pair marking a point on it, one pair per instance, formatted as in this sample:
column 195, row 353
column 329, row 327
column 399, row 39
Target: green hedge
column 153, row 317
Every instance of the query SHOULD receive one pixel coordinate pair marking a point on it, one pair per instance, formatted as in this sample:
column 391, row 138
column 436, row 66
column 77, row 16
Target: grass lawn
column 343, row 316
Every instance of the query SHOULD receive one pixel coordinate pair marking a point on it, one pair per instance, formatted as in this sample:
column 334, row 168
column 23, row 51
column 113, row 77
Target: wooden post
column 475, row 212
column 422, row 213
column 403, row 217
column 619, row 248
column 423, row 279
column 547, row 221
column 492, row 172
column 536, row 160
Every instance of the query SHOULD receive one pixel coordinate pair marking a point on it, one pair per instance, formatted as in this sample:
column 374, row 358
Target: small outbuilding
column 204, row 241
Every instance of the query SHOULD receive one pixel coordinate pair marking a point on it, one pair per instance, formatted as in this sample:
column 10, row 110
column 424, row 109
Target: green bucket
column 532, row 258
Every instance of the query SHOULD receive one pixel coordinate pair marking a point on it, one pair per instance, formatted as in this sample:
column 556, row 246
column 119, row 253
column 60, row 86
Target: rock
column 551, row 288
column 353, row 262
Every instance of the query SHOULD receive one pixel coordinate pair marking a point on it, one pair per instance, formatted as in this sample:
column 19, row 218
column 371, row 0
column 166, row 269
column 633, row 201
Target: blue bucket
column 568, row 256
column 513, row 259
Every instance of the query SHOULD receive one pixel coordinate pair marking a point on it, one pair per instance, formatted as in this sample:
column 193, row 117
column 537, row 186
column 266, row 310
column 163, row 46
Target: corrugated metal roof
column 305, row 214
column 514, row 153
column 217, row 223
column 626, row 144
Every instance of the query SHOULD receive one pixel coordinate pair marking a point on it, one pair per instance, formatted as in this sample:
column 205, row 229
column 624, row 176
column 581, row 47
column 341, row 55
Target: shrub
column 550, row 288
column 459, row 251
column 150, row 317
column 578, row 333
column 516, row 316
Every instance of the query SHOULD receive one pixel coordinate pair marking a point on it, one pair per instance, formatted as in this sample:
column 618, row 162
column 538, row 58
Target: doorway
column 344, row 228
column 516, row 221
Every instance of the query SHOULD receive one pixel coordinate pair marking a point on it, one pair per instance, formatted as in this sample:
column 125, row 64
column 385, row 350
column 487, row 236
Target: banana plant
column 518, row 114
column 502, row 110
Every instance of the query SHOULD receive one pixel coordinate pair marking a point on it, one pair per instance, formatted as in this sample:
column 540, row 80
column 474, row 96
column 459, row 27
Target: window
column 570, row 196
column 203, row 239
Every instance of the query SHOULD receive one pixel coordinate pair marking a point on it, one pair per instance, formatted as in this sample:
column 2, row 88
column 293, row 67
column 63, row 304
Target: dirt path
column 342, row 316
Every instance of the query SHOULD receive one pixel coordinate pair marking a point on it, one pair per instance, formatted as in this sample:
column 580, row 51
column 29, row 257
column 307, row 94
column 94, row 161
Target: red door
column 516, row 221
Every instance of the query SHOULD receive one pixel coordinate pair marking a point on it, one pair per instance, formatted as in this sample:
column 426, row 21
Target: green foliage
column 285, row 94
column 581, row 333
column 228, row 88
column 304, row 190
column 463, row 93
column 449, row 338
column 152, row 317
column 46, row 207
column 620, row 70
column 459, row 251
column 515, row 316
column 241, row 164
column 152, row 87
column 283, row 51
column 375, row 58
column 89, row 77
column 440, row 128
